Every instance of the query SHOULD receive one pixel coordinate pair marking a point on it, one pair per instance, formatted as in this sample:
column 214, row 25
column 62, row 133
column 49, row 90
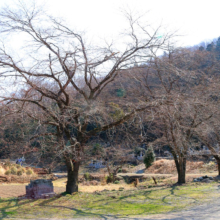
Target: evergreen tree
column 149, row 157
column 201, row 48
column 217, row 49
column 210, row 47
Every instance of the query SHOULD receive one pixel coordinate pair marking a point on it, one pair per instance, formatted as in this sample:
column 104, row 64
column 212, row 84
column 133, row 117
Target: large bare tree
column 181, row 89
column 60, row 77
column 208, row 132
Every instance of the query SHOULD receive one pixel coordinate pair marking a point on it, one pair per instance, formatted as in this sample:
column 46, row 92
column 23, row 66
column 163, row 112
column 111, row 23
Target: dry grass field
column 165, row 166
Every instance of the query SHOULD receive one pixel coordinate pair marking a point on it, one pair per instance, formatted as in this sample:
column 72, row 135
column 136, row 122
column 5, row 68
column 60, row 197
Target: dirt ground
column 15, row 190
column 195, row 169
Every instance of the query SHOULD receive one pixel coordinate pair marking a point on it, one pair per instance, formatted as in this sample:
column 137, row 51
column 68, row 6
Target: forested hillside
column 182, row 73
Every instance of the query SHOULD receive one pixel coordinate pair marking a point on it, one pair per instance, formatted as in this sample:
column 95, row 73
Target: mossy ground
column 133, row 202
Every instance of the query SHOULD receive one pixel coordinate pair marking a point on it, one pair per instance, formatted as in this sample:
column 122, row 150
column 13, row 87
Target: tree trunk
column 217, row 158
column 218, row 163
column 113, row 173
column 218, row 167
column 181, row 171
column 72, row 177
column 180, row 163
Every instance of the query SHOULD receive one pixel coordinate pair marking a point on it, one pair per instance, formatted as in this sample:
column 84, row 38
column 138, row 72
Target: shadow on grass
column 108, row 202
column 172, row 193
column 11, row 203
column 78, row 212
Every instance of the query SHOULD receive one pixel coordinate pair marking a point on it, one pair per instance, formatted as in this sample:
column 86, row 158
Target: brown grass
column 23, row 178
column 189, row 177
column 109, row 186
column 193, row 167
column 164, row 166
column 2, row 171
column 83, row 188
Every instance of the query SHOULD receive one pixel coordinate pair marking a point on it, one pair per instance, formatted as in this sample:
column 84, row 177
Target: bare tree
column 177, row 83
column 62, row 76
column 208, row 132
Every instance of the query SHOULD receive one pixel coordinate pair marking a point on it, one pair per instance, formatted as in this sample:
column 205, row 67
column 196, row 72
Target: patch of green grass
column 11, row 213
column 121, row 203
column 129, row 208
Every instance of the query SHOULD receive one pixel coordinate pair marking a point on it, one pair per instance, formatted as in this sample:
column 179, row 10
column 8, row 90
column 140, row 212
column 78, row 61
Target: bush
column 8, row 172
column 23, row 170
column 18, row 166
column 120, row 92
column 97, row 149
column 29, row 172
column 19, row 172
column 7, row 163
column 149, row 157
column 2, row 170
column 139, row 150
column 87, row 176
column 124, row 170
column 210, row 166
column 13, row 170
column 103, row 181
column 116, row 182
column 109, row 179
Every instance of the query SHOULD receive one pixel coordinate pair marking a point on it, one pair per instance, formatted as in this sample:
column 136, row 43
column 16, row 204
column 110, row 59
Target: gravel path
column 207, row 212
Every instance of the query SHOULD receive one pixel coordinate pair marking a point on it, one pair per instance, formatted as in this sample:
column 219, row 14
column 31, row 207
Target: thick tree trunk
column 72, row 177
column 218, row 163
column 180, row 163
column 181, row 176
column 218, row 168
column 181, row 170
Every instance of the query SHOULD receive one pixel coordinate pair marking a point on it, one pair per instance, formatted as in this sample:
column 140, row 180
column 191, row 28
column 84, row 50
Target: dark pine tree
column 201, row 48
column 210, row 47
column 217, row 49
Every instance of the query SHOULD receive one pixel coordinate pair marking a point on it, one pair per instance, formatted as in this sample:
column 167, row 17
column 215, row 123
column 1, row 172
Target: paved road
column 206, row 212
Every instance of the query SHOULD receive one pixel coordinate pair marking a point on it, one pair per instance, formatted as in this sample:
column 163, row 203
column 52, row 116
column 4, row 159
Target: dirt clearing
column 15, row 190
